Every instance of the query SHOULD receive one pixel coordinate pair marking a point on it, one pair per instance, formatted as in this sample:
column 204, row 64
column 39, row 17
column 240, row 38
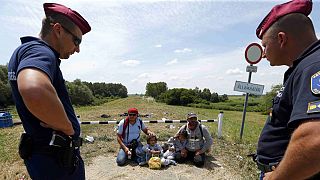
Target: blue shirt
column 35, row 53
column 291, row 106
column 134, row 130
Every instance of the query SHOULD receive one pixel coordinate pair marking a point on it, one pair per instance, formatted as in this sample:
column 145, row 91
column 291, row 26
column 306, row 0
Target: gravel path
column 103, row 167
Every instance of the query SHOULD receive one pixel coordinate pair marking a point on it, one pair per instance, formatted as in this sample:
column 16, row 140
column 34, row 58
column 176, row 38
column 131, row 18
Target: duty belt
column 46, row 149
column 266, row 167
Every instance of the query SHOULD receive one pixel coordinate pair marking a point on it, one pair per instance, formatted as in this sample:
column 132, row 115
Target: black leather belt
column 46, row 149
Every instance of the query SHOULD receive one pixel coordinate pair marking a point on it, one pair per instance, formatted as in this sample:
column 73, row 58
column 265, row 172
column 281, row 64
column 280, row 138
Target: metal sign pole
column 245, row 107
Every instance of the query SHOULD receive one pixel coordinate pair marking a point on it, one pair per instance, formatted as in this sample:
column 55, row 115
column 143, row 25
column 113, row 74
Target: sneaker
column 173, row 162
column 142, row 163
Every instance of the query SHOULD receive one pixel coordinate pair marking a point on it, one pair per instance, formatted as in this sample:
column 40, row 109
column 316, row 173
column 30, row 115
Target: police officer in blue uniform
column 50, row 144
column 288, row 147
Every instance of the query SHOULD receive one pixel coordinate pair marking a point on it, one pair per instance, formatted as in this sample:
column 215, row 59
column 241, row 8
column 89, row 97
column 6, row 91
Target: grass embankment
column 229, row 148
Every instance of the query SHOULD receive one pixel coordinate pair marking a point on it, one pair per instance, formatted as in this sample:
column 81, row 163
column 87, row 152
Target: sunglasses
column 132, row 114
column 194, row 121
column 76, row 40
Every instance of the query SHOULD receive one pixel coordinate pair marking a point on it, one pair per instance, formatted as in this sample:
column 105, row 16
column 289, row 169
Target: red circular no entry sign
column 253, row 53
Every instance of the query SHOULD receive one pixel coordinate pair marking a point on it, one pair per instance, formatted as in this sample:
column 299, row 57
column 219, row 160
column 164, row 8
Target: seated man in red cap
column 128, row 136
column 288, row 147
column 50, row 145
column 199, row 141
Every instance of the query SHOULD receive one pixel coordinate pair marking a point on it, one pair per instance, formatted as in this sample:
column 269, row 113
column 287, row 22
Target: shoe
column 142, row 163
column 173, row 162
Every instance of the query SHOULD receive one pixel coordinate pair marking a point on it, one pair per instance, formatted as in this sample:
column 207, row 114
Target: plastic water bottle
column 129, row 154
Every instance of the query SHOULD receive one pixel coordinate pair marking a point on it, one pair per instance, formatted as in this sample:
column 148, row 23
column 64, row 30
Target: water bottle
column 129, row 154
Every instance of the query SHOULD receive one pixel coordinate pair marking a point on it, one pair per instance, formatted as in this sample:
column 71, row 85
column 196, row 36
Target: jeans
column 122, row 157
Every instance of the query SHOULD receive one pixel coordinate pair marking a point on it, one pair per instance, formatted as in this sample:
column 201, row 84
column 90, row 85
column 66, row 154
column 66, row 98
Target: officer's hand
column 267, row 175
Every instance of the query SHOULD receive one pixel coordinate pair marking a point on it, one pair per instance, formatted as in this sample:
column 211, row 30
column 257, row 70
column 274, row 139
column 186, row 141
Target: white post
column 220, row 117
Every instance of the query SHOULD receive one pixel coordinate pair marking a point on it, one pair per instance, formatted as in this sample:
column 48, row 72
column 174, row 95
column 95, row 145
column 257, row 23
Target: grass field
column 229, row 148
column 236, row 103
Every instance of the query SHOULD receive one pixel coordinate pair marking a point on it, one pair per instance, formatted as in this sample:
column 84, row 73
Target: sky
column 186, row 44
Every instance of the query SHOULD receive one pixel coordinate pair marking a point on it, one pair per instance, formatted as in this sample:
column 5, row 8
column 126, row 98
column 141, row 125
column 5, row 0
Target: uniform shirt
column 290, row 106
column 195, row 140
column 35, row 53
column 134, row 130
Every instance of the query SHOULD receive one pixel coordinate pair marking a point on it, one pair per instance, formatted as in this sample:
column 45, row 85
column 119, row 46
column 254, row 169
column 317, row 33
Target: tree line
column 81, row 93
column 88, row 93
column 182, row 96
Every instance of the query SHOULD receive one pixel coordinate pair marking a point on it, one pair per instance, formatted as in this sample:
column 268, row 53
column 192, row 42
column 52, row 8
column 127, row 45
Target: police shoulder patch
column 313, row 107
column 315, row 83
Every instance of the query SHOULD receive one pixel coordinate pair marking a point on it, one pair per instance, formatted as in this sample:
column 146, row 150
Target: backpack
column 126, row 124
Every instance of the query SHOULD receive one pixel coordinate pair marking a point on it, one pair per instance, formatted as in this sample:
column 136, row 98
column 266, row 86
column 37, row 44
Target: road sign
column 253, row 53
column 250, row 88
column 252, row 68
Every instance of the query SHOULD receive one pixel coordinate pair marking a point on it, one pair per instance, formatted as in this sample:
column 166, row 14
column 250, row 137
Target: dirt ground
column 105, row 167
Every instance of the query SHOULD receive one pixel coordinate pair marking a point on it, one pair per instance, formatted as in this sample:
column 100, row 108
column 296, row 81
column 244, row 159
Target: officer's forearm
column 42, row 100
column 302, row 158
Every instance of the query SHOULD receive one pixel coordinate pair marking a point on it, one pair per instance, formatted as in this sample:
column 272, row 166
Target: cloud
column 235, row 71
column 144, row 75
column 174, row 61
column 158, row 46
column 185, row 50
column 131, row 63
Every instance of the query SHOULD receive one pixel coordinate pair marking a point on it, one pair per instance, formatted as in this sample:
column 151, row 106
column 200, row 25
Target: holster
column 65, row 149
column 25, row 146
column 67, row 157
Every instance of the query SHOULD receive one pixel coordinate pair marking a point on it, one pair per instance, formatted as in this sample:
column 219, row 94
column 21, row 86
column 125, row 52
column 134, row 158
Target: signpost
column 253, row 55
column 250, row 88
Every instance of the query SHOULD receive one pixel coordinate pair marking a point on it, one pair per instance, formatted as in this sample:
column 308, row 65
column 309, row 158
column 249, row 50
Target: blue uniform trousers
column 46, row 167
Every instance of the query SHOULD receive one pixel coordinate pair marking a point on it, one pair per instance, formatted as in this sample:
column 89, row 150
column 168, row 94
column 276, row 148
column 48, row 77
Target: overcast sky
column 186, row 44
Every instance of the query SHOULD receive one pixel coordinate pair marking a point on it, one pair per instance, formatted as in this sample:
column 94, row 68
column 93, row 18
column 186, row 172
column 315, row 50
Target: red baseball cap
column 74, row 16
column 133, row 110
column 278, row 11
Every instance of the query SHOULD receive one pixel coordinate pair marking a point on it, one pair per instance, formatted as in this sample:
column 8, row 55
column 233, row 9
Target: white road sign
column 250, row 88
column 252, row 68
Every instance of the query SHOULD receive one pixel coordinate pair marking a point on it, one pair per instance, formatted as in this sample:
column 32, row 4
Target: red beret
column 133, row 110
column 51, row 8
column 295, row 6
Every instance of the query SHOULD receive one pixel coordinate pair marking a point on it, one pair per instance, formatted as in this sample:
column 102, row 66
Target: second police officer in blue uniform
column 50, row 144
column 289, row 143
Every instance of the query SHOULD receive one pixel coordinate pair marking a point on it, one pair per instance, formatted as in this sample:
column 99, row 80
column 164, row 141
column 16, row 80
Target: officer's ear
column 56, row 28
column 282, row 39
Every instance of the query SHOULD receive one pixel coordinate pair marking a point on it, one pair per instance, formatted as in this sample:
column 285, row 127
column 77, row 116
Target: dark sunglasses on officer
column 76, row 40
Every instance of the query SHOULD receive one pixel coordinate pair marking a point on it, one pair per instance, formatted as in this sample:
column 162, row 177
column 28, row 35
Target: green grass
column 230, row 149
column 235, row 103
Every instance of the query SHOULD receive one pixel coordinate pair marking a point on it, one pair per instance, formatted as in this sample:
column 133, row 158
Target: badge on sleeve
column 313, row 107
column 315, row 83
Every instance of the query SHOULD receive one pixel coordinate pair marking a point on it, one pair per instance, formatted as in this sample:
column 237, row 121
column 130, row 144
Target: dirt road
column 104, row 167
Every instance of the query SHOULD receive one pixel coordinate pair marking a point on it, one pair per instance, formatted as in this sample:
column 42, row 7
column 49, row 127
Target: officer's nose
column 264, row 54
column 78, row 48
